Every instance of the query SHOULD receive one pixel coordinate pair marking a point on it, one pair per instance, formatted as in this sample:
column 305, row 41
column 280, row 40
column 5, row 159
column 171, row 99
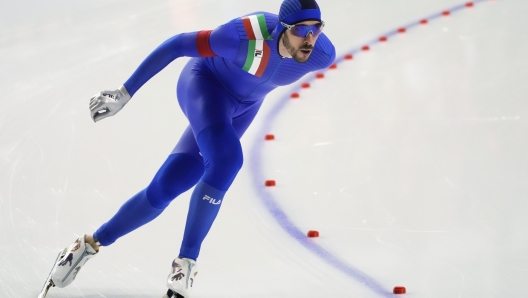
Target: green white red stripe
column 258, row 50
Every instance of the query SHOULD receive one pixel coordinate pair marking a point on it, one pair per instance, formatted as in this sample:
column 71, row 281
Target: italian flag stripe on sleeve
column 263, row 27
column 250, row 55
column 249, row 29
column 258, row 51
column 264, row 62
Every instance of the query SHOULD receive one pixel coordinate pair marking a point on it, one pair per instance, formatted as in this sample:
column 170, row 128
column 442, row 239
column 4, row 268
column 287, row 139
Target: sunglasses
column 302, row 30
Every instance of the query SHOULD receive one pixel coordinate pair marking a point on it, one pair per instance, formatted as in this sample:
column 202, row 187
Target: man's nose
column 309, row 38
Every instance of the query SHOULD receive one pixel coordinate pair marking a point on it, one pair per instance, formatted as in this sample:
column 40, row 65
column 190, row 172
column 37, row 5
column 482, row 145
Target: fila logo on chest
column 258, row 50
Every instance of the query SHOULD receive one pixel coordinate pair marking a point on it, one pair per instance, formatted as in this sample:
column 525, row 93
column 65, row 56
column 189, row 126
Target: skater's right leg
column 69, row 263
column 179, row 173
column 182, row 169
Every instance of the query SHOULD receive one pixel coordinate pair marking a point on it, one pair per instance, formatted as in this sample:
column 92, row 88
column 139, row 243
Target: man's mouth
column 306, row 51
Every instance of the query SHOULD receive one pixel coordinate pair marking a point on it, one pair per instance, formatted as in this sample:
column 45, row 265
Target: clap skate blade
column 172, row 294
column 49, row 283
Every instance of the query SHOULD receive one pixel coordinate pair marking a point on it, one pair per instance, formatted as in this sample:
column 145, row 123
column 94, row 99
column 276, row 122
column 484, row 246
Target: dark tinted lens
column 303, row 30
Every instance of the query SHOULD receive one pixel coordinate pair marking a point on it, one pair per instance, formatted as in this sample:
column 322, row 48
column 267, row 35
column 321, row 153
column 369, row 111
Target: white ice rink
column 411, row 159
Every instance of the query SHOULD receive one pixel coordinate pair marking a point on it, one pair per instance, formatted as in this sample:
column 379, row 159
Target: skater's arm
column 223, row 41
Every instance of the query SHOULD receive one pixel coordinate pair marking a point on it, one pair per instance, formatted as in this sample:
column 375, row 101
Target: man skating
column 220, row 90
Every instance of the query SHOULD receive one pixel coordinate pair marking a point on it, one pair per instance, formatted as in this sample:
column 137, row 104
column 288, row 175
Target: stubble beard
column 295, row 52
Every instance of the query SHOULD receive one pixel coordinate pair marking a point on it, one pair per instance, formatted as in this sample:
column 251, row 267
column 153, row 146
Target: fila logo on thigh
column 211, row 200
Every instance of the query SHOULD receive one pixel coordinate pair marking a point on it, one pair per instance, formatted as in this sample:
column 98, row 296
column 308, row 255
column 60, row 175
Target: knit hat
column 295, row 11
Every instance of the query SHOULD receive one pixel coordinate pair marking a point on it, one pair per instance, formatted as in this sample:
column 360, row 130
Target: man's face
column 300, row 48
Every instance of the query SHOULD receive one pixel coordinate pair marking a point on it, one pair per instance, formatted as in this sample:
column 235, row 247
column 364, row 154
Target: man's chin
column 301, row 57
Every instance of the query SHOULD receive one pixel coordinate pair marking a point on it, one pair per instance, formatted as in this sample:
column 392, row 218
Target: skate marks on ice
column 277, row 211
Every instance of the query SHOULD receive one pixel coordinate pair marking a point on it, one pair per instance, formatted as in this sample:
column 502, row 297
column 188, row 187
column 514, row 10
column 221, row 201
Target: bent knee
column 226, row 160
column 179, row 173
column 222, row 153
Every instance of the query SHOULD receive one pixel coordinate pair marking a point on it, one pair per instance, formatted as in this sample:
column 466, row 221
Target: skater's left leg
column 218, row 121
column 222, row 153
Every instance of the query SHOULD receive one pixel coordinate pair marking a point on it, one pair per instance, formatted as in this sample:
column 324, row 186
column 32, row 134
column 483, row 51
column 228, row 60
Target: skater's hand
column 108, row 103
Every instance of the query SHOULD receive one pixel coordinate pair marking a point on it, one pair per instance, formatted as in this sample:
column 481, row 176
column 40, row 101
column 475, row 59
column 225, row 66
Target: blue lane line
column 271, row 203
column 282, row 219
column 407, row 27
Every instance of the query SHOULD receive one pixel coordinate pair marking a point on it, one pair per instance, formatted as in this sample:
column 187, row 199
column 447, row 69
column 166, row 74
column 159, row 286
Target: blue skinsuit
column 220, row 91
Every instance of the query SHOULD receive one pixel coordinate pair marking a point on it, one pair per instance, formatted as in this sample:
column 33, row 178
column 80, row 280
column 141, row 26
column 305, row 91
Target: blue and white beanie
column 295, row 11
